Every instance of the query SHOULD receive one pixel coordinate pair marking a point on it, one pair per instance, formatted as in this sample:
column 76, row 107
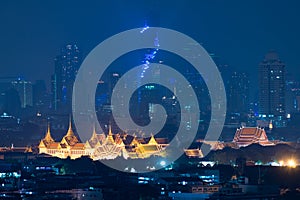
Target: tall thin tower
column 66, row 67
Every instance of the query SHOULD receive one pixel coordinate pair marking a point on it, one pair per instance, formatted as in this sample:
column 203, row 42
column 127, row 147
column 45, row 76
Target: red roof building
column 250, row 135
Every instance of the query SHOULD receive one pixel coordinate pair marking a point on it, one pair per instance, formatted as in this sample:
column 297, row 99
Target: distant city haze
column 238, row 33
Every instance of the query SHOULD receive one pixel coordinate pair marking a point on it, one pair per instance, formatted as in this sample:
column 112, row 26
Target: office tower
column 292, row 94
column 40, row 94
column 272, row 87
column 66, row 67
column 237, row 85
column 24, row 89
column 238, row 93
column 9, row 97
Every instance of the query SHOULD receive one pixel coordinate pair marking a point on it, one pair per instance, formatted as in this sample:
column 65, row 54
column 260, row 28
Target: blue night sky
column 239, row 32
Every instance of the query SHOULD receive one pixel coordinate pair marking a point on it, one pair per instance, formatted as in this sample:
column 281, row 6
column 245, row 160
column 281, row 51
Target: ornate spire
column 109, row 130
column 70, row 131
column 94, row 135
column 110, row 138
column 152, row 140
column 48, row 137
column 70, row 137
column 94, row 131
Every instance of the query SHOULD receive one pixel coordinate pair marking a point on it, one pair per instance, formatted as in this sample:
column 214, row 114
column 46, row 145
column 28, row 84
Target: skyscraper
column 40, row 96
column 10, row 101
column 238, row 92
column 272, row 87
column 24, row 89
column 66, row 68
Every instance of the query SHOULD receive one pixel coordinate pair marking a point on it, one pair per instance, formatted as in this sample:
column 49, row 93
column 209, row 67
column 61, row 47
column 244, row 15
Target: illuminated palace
column 102, row 146
column 243, row 137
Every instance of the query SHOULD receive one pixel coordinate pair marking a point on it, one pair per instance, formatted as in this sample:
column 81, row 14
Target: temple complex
column 69, row 146
column 102, row 146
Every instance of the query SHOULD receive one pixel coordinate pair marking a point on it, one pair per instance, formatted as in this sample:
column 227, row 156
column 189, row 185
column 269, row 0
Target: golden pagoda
column 69, row 139
column 46, row 142
column 142, row 149
column 108, row 148
column 68, row 147
column 100, row 146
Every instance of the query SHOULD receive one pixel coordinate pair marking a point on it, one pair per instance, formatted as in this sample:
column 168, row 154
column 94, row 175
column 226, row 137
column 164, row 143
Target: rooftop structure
column 245, row 136
column 193, row 153
column 102, row 146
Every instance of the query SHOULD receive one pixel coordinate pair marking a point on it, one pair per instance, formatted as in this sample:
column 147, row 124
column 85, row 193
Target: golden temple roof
column 110, row 138
column 70, row 138
column 48, row 135
column 152, row 141
column 47, row 140
column 70, row 131
column 101, row 146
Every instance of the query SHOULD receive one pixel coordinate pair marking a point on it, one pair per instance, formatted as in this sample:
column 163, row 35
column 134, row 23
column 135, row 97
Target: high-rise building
column 24, row 89
column 9, row 98
column 272, row 87
column 40, row 95
column 66, row 68
column 292, row 96
column 237, row 85
column 238, row 92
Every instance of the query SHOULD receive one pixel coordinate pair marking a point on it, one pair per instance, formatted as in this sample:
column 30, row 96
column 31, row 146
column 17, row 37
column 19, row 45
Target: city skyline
column 250, row 36
column 269, row 106
column 147, row 99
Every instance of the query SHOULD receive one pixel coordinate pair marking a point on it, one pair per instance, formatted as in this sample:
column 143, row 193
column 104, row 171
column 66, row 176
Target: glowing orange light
column 270, row 125
column 291, row 163
column 281, row 163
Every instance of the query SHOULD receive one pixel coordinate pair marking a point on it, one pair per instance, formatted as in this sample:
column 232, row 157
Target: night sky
column 239, row 32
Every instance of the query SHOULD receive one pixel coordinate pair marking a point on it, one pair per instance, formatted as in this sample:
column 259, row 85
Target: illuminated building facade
column 238, row 92
column 100, row 146
column 250, row 135
column 69, row 146
column 24, row 89
column 66, row 67
column 272, row 87
column 139, row 148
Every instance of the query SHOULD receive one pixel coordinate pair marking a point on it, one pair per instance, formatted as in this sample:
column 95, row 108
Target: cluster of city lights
column 147, row 59
column 151, row 55
column 288, row 163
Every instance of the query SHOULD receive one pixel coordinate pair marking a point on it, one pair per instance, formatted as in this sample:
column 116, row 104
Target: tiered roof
column 107, row 147
column 48, row 140
column 70, row 140
column 248, row 135
column 101, row 146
